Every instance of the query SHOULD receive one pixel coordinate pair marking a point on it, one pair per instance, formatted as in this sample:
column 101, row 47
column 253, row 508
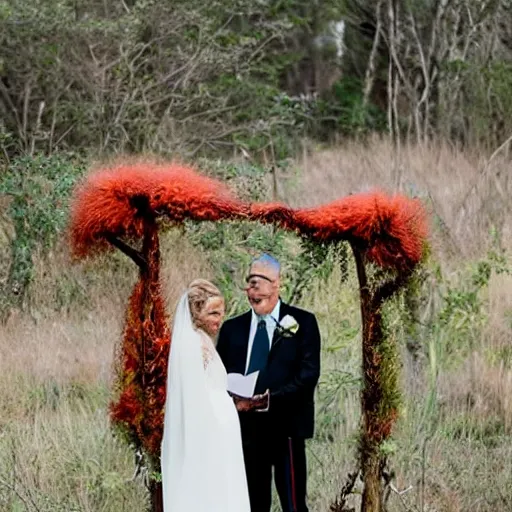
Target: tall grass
column 468, row 194
column 451, row 450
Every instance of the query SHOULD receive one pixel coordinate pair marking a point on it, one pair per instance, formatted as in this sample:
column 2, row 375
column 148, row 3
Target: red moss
column 378, row 428
column 115, row 201
column 128, row 408
column 391, row 230
column 143, row 366
column 274, row 213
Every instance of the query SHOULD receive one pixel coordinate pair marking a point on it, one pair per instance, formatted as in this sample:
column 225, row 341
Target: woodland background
column 298, row 101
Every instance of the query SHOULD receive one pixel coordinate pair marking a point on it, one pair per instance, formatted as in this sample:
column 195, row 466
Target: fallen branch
column 339, row 504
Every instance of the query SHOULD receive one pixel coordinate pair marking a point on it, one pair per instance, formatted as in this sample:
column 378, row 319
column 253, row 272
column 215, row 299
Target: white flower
column 289, row 325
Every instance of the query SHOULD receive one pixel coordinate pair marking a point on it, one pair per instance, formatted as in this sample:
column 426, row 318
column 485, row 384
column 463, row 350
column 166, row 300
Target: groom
column 282, row 342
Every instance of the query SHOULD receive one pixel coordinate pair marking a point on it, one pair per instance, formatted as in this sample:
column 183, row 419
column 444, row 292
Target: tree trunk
column 157, row 502
column 371, row 393
column 372, row 492
column 379, row 413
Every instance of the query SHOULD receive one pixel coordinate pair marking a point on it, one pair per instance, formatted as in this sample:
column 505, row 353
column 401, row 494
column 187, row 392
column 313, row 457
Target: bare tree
column 446, row 66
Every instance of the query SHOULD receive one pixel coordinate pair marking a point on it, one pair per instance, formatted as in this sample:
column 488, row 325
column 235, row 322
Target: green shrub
column 37, row 191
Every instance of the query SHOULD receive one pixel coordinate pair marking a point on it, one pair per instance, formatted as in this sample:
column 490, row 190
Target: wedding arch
column 126, row 206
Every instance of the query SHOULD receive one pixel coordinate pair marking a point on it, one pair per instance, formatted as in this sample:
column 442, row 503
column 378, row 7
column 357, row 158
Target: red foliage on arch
column 114, row 201
column 142, row 374
column 391, row 230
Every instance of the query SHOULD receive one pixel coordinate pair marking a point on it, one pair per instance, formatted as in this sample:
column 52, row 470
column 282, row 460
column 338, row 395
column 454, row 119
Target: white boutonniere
column 288, row 326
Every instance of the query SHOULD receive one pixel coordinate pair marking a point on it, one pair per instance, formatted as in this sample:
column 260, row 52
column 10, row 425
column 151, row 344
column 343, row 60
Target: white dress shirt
column 271, row 327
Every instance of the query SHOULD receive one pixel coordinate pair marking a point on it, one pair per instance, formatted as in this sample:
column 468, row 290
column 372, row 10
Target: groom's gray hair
column 268, row 261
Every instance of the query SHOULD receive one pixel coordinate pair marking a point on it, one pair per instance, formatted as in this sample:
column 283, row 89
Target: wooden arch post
column 378, row 417
column 143, row 327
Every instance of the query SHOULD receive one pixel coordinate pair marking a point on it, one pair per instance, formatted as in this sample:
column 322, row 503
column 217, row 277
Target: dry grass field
column 452, row 447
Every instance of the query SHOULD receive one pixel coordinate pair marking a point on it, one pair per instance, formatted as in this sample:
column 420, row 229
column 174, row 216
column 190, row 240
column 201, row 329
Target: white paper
column 242, row 385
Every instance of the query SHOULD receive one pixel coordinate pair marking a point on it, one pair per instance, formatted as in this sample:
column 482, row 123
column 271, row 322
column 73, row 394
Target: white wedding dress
column 202, row 459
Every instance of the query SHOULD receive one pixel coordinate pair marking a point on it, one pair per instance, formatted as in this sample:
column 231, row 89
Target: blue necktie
column 260, row 348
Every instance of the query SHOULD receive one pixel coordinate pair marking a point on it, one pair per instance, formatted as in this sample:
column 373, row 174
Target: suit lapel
column 276, row 338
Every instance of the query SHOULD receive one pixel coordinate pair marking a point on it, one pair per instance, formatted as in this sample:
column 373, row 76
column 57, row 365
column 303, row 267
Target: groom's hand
column 262, row 402
column 257, row 403
column 243, row 404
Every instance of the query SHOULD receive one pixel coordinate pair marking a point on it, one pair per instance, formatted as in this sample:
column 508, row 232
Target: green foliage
column 463, row 312
column 37, row 191
column 388, row 352
column 454, row 313
column 484, row 112
column 442, row 316
column 316, row 261
column 199, row 79
column 152, row 75
column 232, row 245
column 346, row 105
column 335, row 385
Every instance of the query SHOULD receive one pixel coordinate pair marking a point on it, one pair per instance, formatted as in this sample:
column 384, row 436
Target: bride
column 202, row 460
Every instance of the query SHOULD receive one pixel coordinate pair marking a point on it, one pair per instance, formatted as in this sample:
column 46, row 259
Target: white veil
column 189, row 424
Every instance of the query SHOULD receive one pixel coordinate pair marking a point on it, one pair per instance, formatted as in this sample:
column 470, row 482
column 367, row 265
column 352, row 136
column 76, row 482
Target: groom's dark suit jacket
column 291, row 374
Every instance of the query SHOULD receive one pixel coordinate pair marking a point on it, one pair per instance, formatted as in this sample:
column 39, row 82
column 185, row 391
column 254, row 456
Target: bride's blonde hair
column 199, row 292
